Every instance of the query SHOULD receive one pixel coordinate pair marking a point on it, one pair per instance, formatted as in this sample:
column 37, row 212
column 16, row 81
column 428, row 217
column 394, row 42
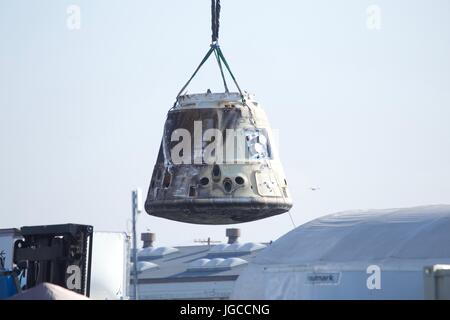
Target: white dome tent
column 373, row 254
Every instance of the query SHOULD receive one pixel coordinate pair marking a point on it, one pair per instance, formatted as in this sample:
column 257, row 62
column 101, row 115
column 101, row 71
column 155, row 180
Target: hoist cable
column 213, row 21
column 215, row 16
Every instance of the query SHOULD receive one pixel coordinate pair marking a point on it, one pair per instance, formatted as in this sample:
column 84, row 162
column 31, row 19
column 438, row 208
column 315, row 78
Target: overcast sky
column 360, row 96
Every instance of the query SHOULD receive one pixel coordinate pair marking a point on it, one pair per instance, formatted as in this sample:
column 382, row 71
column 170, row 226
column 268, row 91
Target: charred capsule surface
column 217, row 163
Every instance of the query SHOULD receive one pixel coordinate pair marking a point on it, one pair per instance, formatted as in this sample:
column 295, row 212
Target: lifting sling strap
column 214, row 48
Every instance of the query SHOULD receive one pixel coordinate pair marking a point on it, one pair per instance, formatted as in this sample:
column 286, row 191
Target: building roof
column 198, row 262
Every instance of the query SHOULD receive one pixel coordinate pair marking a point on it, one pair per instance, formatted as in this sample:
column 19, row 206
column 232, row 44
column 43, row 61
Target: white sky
column 364, row 114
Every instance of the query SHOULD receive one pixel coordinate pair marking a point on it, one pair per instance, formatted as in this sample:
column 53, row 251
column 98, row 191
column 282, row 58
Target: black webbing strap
column 221, row 56
column 215, row 16
column 196, row 70
column 221, row 70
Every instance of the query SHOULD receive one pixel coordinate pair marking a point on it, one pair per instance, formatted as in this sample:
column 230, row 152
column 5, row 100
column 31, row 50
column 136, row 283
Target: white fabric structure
column 373, row 254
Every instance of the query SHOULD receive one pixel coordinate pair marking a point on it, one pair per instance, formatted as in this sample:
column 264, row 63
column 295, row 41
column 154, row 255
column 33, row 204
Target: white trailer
column 110, row 266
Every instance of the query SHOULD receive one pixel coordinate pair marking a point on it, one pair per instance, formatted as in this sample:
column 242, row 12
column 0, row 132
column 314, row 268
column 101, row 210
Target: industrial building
column 206, row 271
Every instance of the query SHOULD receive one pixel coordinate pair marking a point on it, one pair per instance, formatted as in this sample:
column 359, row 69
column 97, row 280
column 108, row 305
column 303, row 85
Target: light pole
column 136, row 204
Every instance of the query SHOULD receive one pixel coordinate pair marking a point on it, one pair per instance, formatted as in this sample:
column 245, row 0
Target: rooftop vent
column 154, row 253
column 233, row 234
column 144, row 265
column 148, row 238
column 235, row 248
column 215, row 264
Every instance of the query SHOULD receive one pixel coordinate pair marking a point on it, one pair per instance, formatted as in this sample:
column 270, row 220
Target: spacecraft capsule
column 217, row 163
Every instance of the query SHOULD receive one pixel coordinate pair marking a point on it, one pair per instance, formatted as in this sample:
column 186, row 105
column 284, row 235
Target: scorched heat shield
column 217, row 163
